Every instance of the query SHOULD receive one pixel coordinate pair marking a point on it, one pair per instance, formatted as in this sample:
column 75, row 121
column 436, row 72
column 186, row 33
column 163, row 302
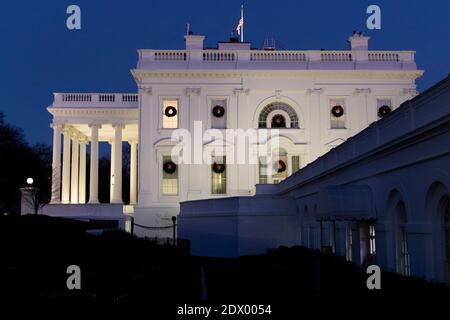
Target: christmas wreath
column 170, row 111
column 337, row 111
column 383, row 110
column 218, row 167
column 218, row 111
column 280, row 166
column 278, row 121
column 169, row 167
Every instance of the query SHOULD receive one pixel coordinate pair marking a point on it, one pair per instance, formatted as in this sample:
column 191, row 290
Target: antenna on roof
column 269, row 44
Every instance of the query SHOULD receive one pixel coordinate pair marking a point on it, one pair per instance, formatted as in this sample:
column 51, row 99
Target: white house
column 308, row 101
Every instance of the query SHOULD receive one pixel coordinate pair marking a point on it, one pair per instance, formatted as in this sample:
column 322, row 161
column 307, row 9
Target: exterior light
column 113, row 179
column 30, row 181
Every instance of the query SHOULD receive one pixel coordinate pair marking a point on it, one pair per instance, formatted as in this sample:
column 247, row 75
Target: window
column 404, row 259
column 349, row 244
column 372, row 248
column 169, row 176
column 170, row 114
column 276, row 171
column 219, row 113
column 403, row 262
column 295, row 163
column 263, row 116
column 218, row 175
column 279, row 167
column 262, row 170
column 337, row 113
column 384, row 106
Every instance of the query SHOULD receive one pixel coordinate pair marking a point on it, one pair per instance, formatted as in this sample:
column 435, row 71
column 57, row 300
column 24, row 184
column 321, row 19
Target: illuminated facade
column 314, row 99
column 382, row 197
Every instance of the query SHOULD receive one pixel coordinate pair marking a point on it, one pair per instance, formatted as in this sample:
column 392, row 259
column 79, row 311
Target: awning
column 350, row 202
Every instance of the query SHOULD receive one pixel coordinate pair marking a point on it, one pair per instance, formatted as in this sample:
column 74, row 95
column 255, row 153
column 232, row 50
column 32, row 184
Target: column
column 82, row 173
column 289, row 164
column 244, row 172
column 194, row 170
column 56, row 164
column 112, row 168
column 74, row 177
column 316, row 123
column 117, row 183
column 93, row 180
column 66, row 166
column 149, row 109
column 133, row 171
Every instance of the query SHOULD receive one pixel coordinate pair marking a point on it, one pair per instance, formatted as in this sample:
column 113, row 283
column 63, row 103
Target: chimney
column 194, row 42
column 358, row 42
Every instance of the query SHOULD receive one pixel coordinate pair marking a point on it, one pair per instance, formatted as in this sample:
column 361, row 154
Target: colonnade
column 69, row 184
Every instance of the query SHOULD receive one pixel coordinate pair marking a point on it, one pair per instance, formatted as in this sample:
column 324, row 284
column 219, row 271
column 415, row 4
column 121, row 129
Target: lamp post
column 29, row 198
column 174, row 220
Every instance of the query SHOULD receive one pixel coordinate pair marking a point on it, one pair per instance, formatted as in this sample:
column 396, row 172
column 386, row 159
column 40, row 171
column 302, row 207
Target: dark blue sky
column 38, row 55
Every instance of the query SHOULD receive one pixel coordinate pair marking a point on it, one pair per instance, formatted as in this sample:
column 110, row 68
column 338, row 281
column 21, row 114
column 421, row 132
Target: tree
column 18, row 161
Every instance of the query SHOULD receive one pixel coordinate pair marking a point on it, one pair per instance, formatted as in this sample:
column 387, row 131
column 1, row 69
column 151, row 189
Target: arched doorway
column 445, row 239
column 437, row 212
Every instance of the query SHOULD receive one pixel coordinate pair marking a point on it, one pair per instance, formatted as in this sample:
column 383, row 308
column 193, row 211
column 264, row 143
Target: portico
column 82, row 122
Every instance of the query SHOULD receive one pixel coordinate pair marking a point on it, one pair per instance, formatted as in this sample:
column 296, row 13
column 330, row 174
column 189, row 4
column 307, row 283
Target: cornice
column 64, row 111
column 140, row 75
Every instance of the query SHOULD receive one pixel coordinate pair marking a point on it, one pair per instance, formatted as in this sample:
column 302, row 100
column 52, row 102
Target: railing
column 125, row 100
column 215, row 55
column 278, row 56
column 336, row 56
column 384, row 56
column 106, row 98
column 131, row 97
column 174, row 59
column 170, row 55
column 76, row 97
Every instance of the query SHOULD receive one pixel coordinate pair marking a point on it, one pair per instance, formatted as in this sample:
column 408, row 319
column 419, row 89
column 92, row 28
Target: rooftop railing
column 96, row 100
column 265, row 59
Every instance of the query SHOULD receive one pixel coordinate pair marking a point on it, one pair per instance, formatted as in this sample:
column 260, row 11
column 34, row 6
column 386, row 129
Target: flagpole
column 242, row 28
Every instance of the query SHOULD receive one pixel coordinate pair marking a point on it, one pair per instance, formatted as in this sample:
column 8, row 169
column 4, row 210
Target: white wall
column 246, row 96
column 404, row 157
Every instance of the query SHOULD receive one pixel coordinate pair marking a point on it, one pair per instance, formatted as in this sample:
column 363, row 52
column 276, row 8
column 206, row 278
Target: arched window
column 446, row 237
column 402, row 254
column 278, row 115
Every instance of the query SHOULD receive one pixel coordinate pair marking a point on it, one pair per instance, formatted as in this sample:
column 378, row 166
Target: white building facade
column 315, row 100
column 382, row 197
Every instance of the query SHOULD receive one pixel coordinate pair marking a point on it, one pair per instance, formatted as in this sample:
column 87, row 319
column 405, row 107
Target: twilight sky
column 39, row 55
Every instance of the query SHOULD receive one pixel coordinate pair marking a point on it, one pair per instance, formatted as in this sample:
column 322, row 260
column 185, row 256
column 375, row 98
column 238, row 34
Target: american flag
column 240, row 25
